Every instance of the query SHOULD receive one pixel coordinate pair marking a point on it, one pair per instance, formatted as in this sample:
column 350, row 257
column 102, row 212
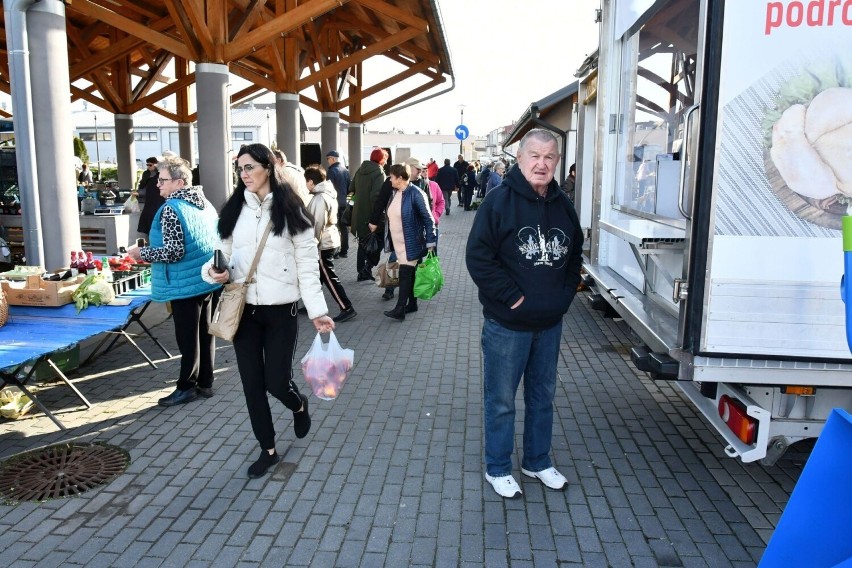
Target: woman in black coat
column 150, row 194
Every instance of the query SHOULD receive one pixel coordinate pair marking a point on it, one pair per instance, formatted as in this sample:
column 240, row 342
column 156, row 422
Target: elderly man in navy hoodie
column 524, row 253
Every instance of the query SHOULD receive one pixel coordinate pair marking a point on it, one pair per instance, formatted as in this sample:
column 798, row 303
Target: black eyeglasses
column 248, row 168
column 161, row 181
column 152, row 164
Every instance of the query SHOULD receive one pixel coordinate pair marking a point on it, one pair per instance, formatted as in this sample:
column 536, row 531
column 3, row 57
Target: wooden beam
column 78, row 93
column 136, row 29
column 217, row 22
column 238, row 97
column 252, row 76
column 184, row 28
column 160, row 94
column 182, row 96
column 394, row 13
column 402, row 98
column 398, row 78
column 170, row 115
column 152, row 76
column 280, row 25
column 250, row 15
column 377, row 32
column 358, row 57
column 195, row 13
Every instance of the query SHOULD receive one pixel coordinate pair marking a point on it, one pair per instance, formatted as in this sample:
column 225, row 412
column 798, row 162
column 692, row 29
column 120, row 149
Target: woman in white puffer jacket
column 287, row 271
column 323, row 208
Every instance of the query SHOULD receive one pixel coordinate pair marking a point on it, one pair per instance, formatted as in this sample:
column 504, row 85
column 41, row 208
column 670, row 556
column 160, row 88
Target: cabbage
column 93, row 290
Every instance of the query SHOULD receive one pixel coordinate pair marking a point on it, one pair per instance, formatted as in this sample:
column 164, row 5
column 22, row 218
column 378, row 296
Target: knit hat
column 377, row 155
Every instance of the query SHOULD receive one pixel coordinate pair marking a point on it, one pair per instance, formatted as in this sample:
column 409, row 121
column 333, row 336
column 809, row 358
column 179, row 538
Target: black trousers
column 364, row 262
column 344, row 232
column 467, row 197
column 264, row 345
column 197, row 347
column 329, row 277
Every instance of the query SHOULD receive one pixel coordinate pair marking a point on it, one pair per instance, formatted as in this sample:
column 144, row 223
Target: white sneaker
column 550, row 477
column 505, row 486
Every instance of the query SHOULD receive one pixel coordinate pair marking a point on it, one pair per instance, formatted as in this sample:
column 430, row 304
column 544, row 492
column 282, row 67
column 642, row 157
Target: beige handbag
column 388, row 273
column 4, row 309
column 232, row 300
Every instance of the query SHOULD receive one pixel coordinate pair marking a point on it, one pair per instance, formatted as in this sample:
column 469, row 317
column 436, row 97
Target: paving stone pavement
column 391, row 473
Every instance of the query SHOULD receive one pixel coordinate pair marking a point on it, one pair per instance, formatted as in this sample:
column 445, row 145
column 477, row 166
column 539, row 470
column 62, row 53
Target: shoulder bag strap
column 250, row 276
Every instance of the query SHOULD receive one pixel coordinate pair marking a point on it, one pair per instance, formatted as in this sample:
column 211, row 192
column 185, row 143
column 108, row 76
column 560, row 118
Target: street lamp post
column 97, row 145
column 268, row 130
column 461, row 121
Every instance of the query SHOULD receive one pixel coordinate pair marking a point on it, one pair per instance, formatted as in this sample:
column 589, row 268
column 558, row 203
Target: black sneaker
column 388, row 295
column 345, row 315
column 342, row 255
column 301, row 419
column 178, row 397
column 263, row 463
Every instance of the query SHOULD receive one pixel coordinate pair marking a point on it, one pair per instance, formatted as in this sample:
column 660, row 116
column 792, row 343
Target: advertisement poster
column 785, row 162
column 783, row 179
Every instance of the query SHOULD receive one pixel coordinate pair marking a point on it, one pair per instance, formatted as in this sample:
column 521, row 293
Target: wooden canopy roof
column 126, row 55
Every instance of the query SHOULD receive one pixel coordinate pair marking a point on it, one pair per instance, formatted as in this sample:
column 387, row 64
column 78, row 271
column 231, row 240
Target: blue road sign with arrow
column 462, row 132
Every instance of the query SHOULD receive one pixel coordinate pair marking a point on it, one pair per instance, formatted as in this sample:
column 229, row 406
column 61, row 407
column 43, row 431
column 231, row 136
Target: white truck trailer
column 715, row 166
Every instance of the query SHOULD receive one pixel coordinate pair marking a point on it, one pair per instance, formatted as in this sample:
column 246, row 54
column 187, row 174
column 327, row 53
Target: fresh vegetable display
column 121, row 264
column 93, row 290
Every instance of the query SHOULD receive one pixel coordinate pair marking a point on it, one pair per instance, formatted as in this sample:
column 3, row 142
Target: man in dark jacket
column 149, row 195
column 339, row 177
column 461, row 168
column 448, row 179
column 524, row 253
column 366, row 185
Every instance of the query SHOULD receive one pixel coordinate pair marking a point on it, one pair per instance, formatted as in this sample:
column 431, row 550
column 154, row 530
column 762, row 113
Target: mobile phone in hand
column 219, row 262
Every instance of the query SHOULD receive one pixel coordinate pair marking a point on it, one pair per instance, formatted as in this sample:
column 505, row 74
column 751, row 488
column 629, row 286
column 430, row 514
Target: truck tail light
column 733, row 412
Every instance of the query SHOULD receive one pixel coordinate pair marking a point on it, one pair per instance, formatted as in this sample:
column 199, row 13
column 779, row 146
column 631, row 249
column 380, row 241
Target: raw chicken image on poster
column 809, row 142
column 786, row 164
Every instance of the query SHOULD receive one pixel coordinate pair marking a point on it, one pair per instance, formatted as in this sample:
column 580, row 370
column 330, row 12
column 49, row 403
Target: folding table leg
column 139, row 349
column 69, row 383
column 11, row 378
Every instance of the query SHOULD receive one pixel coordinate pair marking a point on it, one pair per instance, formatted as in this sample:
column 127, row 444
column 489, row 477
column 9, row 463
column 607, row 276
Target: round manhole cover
column 60, row 471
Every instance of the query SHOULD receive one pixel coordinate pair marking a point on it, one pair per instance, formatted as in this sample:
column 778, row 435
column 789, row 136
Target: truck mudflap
column 709, row 407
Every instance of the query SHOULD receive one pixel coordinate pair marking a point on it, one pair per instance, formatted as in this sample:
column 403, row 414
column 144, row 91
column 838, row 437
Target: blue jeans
column 507, row 355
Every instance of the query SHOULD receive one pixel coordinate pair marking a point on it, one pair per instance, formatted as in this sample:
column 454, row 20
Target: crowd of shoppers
column 293, row 222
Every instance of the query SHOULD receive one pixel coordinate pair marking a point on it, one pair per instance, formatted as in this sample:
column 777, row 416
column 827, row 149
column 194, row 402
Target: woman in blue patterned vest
column 182, row 238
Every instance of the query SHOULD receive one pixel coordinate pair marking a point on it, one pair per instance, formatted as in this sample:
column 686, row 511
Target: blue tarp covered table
column 33, row 334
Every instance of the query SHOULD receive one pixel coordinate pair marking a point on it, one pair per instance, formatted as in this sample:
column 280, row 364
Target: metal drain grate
column 60, row 471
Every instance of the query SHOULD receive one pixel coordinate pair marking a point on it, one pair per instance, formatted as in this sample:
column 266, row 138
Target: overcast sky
column 505, row 54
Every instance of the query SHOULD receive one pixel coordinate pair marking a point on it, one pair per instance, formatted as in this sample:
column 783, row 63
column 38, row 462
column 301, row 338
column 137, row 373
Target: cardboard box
column 38, row 292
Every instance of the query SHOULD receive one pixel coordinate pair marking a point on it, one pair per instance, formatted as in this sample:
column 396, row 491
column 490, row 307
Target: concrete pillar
column 330, row 127
column 214, row 137
column 60, row 220
column 186, row 139
column 288, row 124
column 125, row 150
column 356, row 134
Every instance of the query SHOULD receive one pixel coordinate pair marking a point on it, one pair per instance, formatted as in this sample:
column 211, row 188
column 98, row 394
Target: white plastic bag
column 326, row 366
column 132, row 205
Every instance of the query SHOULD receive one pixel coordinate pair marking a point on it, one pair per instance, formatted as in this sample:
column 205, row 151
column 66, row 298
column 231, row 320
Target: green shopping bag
column 428, row 278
